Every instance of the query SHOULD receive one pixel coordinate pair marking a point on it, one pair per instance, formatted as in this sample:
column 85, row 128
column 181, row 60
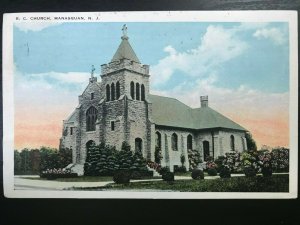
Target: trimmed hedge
column 212, row 172
column 168, row 176
column 122, row 177
column 197, row 174
column 224, row 172
column 249, row 172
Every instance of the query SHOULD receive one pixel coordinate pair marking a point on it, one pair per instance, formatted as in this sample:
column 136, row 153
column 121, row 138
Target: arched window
column 112, row 91
column 137, row 90
column 118, row 90
column 205, row 150
column 189, row 142
column 232, row 143
column 107, row 93
column 132, row 90
column 158, row 139
column 91, row 117
column 143, row 92
column 138, row 145
column 174, row 140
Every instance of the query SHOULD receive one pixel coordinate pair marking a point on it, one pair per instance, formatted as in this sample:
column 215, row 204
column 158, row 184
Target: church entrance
column 138, row 145
column 205, row 150
column 89, row 144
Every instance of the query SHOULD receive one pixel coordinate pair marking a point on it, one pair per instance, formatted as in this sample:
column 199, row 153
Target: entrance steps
column 155, row 173
column 76, row 168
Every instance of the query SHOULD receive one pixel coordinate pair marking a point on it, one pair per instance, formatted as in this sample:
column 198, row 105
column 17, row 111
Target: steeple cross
column 124, row 29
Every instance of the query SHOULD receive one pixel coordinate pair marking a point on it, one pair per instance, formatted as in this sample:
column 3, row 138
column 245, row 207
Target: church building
column 121, row 108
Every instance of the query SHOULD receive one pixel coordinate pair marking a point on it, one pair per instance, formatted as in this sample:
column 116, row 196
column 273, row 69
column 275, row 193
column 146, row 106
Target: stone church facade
column 120, row 108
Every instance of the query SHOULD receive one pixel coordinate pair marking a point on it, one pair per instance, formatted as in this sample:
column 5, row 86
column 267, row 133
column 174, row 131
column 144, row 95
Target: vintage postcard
column 150, row 104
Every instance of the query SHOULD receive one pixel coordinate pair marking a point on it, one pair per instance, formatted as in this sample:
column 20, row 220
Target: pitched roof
column 125, row 51
column 171, row 112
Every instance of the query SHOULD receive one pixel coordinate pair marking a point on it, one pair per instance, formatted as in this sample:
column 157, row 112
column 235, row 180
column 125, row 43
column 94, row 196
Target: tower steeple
column 125, row 50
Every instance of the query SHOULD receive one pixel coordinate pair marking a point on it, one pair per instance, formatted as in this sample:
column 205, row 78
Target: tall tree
column 251, row 144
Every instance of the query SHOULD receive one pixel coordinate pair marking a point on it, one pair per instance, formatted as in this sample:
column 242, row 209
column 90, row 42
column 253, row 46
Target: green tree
column 64, row 157
column 157, row 155
column 17, row 162
column 251, row 144
column 124, row 158
column 49, row 158
column 25, row 161
column 93, row 156
column 139, row 162
column 182, row 159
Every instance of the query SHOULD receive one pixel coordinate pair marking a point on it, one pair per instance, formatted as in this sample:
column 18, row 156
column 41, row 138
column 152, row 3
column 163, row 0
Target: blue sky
column 242, row 67
column 74, row 47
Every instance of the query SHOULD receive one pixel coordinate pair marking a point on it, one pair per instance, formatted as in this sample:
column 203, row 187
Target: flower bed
column 52, row 174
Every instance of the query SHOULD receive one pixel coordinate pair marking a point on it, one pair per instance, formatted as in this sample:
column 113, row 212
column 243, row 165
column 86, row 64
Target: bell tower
column 125, row 107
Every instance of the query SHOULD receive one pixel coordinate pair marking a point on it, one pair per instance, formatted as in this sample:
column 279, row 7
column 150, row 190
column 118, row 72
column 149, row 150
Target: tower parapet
column 124, row 64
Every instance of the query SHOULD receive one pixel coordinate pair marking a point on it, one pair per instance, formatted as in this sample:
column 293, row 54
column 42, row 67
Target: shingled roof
column 171, row 112
column 125, row 51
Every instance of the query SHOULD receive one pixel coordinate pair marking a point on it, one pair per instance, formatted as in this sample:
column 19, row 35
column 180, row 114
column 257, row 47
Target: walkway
column 21, row 183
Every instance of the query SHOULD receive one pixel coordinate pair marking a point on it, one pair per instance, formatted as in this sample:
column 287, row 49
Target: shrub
column 212, row 172
column 233, row 161
column 197, row 174
column 168, row 176
column 194, row 158
column 224, row 172
column 249, row 171
column 164, row 170
column 219, row 162
column 280, row 162
column 181, row 169
column 267, row 172
column 122, row 177
column 136, row 175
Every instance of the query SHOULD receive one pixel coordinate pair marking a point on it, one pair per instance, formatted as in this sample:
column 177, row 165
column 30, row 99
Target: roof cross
column 124, row 29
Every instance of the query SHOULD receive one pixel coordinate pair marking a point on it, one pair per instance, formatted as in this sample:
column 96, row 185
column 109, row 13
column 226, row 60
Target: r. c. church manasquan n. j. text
column 120, row 108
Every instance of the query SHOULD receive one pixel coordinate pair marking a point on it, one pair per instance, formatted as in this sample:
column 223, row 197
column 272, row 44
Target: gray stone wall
column 171, row 158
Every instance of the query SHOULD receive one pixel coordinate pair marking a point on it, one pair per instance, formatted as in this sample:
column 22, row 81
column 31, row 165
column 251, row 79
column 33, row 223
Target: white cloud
column 35, row 25
column 231, row 101
column 274, row 34
column 217, row 46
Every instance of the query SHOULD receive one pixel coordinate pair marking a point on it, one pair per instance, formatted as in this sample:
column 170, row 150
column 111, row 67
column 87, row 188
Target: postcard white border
column 157, row 16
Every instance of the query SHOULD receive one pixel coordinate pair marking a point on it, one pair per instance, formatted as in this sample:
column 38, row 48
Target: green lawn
column 276, row 183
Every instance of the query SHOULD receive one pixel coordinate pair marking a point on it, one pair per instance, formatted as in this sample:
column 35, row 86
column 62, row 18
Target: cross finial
column 124, row 29
column 92, row 71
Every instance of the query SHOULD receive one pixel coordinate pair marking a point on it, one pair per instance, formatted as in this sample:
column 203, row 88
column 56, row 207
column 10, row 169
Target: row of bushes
column 249, row 162
column 33, row 161
column 104, row 160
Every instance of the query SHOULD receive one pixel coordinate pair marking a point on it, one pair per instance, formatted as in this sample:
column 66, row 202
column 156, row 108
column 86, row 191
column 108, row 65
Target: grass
column 183, row 174
column 276, row 183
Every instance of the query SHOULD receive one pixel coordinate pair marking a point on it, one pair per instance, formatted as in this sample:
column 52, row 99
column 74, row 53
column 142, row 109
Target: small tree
column 157, row 155
column 93, row 157
column 251, row 144
column 17, row 162
column 124, row 158
column 182, row 159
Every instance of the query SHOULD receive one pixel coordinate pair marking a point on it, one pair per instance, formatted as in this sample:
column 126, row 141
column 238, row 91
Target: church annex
column 120, row 108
